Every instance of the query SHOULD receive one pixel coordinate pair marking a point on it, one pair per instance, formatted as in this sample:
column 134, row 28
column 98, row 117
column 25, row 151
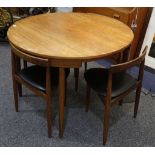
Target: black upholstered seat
column 36, row 76
column 97, row 79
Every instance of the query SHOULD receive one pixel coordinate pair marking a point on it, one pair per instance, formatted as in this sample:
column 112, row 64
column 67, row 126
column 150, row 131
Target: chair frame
column 120, row 57
column 108, row 100
column 16, row 55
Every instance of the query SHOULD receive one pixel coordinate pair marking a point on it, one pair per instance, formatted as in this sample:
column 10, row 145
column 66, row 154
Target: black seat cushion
column 97, row 79
column 36, row 76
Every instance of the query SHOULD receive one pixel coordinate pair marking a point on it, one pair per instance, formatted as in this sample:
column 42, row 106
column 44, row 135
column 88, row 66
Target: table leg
column 61, row 100
column 76, row 75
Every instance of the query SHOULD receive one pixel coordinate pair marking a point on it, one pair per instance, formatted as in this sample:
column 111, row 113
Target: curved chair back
column 124, row 66
column 29, row 58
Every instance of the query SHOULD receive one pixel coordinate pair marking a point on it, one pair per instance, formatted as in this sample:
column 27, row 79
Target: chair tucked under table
column 39, row 78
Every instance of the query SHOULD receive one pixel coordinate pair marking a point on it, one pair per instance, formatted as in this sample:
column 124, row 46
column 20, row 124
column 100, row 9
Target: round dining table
column 69, row 39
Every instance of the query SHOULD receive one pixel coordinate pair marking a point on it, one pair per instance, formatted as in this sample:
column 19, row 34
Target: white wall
column 64, row 9
column 148, row 40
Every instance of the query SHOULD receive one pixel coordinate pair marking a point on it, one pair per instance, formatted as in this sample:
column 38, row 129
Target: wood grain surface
column 80, row 36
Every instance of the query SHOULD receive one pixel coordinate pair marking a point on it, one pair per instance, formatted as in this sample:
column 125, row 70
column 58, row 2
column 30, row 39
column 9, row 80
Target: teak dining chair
column 39, row 78
column 113, row 84
column 111, row 60
column 76, row 74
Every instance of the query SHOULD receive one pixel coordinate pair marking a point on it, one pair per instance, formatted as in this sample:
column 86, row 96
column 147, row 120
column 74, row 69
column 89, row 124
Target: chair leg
column 20, row 89
column 87, row 98
column 14, row 82
column 15, row 92
column 76, row 75
column 138, row 91
column 18, row 63
column 106, row 122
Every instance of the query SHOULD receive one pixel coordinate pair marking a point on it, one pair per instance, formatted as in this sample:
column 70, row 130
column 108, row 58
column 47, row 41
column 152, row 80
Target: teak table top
column 80, row 36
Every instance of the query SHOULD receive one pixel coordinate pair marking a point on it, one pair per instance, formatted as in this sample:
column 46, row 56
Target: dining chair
column 40, row 78
column 111, row 60
column 76, row 74
column 113, row 84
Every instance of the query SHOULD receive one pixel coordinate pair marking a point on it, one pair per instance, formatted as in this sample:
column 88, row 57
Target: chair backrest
column 114, row 69
column 124, row 66
column 29, row 58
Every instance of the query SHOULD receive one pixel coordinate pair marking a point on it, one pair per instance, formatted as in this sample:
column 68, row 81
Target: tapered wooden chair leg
column 106, row 122
column 20, row 90
column 87, row 104
column 14, row 82
column 138, row 91
column 76, row 75
column 18, row 68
